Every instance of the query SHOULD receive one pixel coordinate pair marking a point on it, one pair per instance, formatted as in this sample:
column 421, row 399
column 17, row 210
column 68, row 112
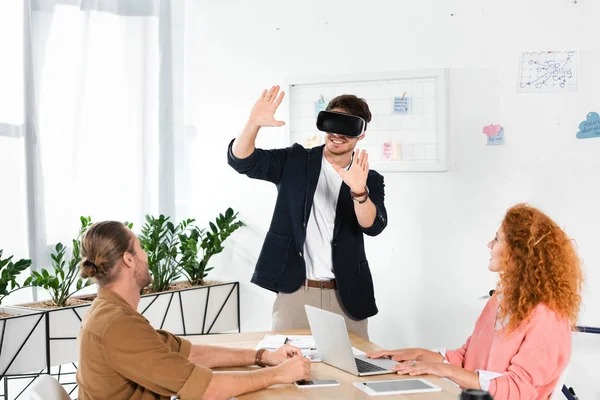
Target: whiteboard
column 409, row 130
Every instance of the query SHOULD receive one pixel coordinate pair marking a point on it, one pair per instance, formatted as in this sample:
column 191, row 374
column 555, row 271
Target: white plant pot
column 23, row 341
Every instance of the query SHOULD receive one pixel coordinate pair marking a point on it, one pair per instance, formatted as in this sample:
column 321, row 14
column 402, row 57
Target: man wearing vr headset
column 327, row 199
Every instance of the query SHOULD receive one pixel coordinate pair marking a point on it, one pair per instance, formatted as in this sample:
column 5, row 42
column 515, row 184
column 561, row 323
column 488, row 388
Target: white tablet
column 400, row 386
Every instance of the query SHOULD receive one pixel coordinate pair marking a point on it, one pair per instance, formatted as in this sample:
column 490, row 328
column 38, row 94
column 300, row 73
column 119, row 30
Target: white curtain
column 13, row 198
column 97, row 116
column 98, row 119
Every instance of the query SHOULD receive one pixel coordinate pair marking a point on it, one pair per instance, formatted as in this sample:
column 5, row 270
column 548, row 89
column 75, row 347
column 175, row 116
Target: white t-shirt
column 319, row 230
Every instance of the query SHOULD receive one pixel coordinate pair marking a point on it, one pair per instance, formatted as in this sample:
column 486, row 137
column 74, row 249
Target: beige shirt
column 121, row 356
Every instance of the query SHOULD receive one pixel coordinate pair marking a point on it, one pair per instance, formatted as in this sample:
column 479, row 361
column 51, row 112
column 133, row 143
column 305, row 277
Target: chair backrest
column 45, row 387
column 557, row 392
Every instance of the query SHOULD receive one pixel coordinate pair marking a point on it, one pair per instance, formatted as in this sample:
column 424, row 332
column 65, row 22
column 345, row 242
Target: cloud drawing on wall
column 590, row 128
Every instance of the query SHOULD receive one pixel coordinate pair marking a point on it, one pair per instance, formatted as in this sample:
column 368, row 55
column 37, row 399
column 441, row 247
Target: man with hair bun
column 121, row 356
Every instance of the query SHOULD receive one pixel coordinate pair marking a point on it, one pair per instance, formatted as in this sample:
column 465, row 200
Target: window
column 92, row 136
column 98, row 117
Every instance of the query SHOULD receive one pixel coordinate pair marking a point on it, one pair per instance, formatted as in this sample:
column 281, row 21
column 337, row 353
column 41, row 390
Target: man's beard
column 142, row 275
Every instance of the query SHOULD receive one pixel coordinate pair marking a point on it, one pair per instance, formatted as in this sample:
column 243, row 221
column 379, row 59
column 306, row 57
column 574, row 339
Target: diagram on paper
column 548, row 72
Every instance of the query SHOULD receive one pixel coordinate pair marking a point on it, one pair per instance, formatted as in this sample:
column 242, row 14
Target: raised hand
column 356, row 176
column 263, row 112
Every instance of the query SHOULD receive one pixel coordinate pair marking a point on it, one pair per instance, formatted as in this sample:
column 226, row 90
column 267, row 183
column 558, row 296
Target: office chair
column 45, row 387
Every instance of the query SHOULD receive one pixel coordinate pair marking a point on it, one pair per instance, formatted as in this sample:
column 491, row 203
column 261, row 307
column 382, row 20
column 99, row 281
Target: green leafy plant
column 183, row 249
column 9, row 273
column 60, row 283
column 160, row 239
column 199, row 245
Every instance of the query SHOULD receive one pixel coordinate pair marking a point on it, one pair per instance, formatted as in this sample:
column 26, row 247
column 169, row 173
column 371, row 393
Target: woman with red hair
column 522, row 340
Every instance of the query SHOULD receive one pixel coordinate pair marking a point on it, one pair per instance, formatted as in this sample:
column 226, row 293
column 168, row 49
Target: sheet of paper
column 314, row 354
column 276, row 341
column 320, row 105
column 401, row 105
column 590, row 128
column 492, row 130
column 305, row 343
column 390, row 150
column 301, row 342
column 549, row 72
column 496, row 140
column 313, row 141
column 272, row 342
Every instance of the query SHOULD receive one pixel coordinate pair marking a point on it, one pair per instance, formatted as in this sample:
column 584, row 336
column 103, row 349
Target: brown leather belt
column 320, row 284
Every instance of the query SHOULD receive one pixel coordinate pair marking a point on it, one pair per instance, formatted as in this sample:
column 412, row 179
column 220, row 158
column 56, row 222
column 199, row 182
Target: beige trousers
column 289, row 312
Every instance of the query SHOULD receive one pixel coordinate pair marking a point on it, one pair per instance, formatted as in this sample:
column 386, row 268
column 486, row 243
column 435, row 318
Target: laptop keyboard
column 364, row 367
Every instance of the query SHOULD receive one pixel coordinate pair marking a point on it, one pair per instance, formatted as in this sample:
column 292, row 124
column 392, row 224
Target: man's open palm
column 263, row 112
column 356, row 176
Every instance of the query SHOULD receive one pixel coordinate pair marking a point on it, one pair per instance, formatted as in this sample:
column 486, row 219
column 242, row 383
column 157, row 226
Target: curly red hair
column 539, row 265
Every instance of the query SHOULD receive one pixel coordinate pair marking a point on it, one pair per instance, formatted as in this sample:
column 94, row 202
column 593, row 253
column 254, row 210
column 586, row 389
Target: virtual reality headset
column 341, row 124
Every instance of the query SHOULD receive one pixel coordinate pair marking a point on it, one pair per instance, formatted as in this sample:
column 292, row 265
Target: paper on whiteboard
column 320, row 105
column 549, row 72
column 590, row 128
column 491, row 130
column 496, row 140
column 401, row 105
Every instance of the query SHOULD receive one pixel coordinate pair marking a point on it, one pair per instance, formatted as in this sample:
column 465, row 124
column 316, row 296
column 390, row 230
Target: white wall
column 429, row 266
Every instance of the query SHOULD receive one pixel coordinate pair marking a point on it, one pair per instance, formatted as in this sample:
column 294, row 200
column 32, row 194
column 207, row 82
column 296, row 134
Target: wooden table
column 346, row 390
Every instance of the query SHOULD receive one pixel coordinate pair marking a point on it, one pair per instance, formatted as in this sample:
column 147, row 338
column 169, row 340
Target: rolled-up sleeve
column 155, row 360
column 486, row 377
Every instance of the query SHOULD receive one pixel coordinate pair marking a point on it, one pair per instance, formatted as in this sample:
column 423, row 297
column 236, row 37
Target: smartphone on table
column 314, row 383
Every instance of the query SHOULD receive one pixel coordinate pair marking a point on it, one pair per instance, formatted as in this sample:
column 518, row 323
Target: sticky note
column 401, row 105
column 590, row 128
column 320, row 105
column 496, row 140
column 390, row 150
column 492, row 130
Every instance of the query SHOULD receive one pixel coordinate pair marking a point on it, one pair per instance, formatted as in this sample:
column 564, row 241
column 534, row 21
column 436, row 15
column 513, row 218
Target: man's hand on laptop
column 281, row 355
column 292, row 370
column 408, row 355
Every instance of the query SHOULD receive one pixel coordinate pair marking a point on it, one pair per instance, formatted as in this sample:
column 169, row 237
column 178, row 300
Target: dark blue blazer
column 280, row 266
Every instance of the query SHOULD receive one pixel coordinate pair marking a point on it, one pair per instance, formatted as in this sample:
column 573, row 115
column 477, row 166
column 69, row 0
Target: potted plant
column 183, row 250
column 22, row 331
column 160, row 239
column 9, row 272
column 198, row 247
column 59, row 283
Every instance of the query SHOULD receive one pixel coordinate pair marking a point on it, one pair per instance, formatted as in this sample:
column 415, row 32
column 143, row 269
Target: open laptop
column 334, row 347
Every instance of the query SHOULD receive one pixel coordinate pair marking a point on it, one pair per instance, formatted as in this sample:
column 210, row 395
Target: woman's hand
column 414, row 367
column 462, row 377
column 408, row 355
